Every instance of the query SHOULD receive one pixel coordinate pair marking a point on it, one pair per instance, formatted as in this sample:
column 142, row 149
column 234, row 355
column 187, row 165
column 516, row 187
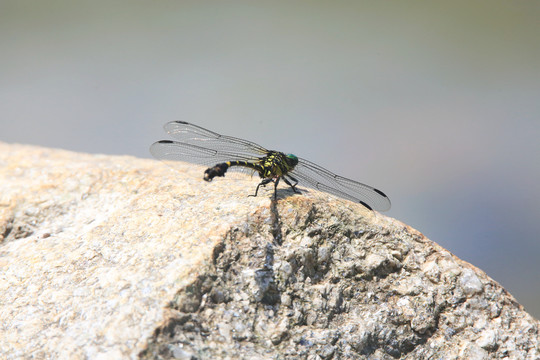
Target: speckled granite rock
column 108, row 257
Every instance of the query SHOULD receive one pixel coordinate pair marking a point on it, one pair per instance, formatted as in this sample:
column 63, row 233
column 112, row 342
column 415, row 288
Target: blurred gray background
column 435, row 103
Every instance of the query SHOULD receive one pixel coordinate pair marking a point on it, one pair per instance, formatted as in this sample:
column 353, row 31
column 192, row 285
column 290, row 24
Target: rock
column 110, row 257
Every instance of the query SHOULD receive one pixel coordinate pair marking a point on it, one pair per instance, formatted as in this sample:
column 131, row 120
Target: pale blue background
column 435, row 103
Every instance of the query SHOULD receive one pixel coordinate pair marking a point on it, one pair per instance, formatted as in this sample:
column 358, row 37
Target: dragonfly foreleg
column 291, row 185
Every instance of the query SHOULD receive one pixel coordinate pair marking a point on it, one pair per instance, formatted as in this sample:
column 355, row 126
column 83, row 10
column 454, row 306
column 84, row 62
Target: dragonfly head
column 292, row 160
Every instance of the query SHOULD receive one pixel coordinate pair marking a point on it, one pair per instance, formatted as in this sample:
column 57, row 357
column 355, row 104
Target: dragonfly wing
column 168, row 150
column 196, row 135
column 316, row 177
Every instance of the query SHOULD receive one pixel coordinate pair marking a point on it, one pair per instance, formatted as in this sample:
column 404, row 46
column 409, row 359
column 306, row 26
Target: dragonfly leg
column 291, row 185
column 262, row 183
column 276, row 181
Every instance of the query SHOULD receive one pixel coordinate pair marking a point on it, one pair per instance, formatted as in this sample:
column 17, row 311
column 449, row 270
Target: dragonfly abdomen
column 221, row 169
column 272, row 166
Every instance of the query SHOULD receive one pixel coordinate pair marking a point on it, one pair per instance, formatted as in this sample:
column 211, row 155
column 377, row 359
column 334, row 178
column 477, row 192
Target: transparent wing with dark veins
column 196, row 135
column 316, row 177
column 200, row 146
column 168, row 150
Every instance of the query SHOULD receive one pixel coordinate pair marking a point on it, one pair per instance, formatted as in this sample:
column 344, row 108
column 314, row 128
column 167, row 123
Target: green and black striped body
column 272, row 167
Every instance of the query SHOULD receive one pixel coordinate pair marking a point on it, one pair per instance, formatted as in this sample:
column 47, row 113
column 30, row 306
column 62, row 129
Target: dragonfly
column 220, row 153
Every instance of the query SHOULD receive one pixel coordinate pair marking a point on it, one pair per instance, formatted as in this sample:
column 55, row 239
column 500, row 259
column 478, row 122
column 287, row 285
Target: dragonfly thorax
column 276, row 164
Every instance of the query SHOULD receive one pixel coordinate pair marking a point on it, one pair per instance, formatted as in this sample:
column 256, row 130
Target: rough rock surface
column 108, row 257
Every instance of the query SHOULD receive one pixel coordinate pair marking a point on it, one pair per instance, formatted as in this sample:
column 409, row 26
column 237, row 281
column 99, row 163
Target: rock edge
column 115, row 257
